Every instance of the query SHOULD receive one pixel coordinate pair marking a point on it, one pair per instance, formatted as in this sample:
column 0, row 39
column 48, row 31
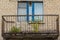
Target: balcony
column 15, row 26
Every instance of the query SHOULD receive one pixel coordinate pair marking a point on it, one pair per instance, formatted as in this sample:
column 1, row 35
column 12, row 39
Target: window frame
column 28, row 8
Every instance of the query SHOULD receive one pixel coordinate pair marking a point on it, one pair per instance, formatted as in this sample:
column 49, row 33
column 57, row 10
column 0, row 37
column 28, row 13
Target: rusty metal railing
column 42, row 24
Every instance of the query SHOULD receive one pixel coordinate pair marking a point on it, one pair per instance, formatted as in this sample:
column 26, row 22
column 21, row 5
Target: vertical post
column 32, row 11
column 27, row 12
column 2, row 26
column 58, row 24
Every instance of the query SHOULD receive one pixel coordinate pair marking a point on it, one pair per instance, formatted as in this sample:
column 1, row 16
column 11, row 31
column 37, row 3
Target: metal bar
column 2, row 26
column 31, row 15
column 57, row 22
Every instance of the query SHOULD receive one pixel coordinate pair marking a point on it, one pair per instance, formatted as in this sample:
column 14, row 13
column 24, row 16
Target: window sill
column 36, row 23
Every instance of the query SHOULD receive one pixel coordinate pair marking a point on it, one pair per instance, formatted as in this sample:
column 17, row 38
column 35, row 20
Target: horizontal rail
column 31, row 15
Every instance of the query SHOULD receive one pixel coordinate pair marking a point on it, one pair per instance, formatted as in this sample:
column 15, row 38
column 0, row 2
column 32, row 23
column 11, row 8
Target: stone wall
column 7, row 8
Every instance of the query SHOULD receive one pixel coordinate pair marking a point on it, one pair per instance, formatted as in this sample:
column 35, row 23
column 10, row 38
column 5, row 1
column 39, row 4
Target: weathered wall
column 52, row 7
column 10, row 7
column 7, row 8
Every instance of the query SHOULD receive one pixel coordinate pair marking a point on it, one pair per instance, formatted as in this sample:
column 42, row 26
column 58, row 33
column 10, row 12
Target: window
column 30, row 8
column 36, row 8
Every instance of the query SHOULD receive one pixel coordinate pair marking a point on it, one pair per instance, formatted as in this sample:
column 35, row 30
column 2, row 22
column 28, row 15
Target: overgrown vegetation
column 14, row 29
column 35, row 24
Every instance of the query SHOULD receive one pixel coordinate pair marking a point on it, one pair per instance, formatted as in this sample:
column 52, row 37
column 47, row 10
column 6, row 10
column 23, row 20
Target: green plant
column 14, row 29
column 35, row 26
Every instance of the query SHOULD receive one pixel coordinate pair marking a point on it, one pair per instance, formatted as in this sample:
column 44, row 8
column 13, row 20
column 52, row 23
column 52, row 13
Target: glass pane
column 22, row 10
column 38, row 9
column 30, row 12
column 21, row 4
